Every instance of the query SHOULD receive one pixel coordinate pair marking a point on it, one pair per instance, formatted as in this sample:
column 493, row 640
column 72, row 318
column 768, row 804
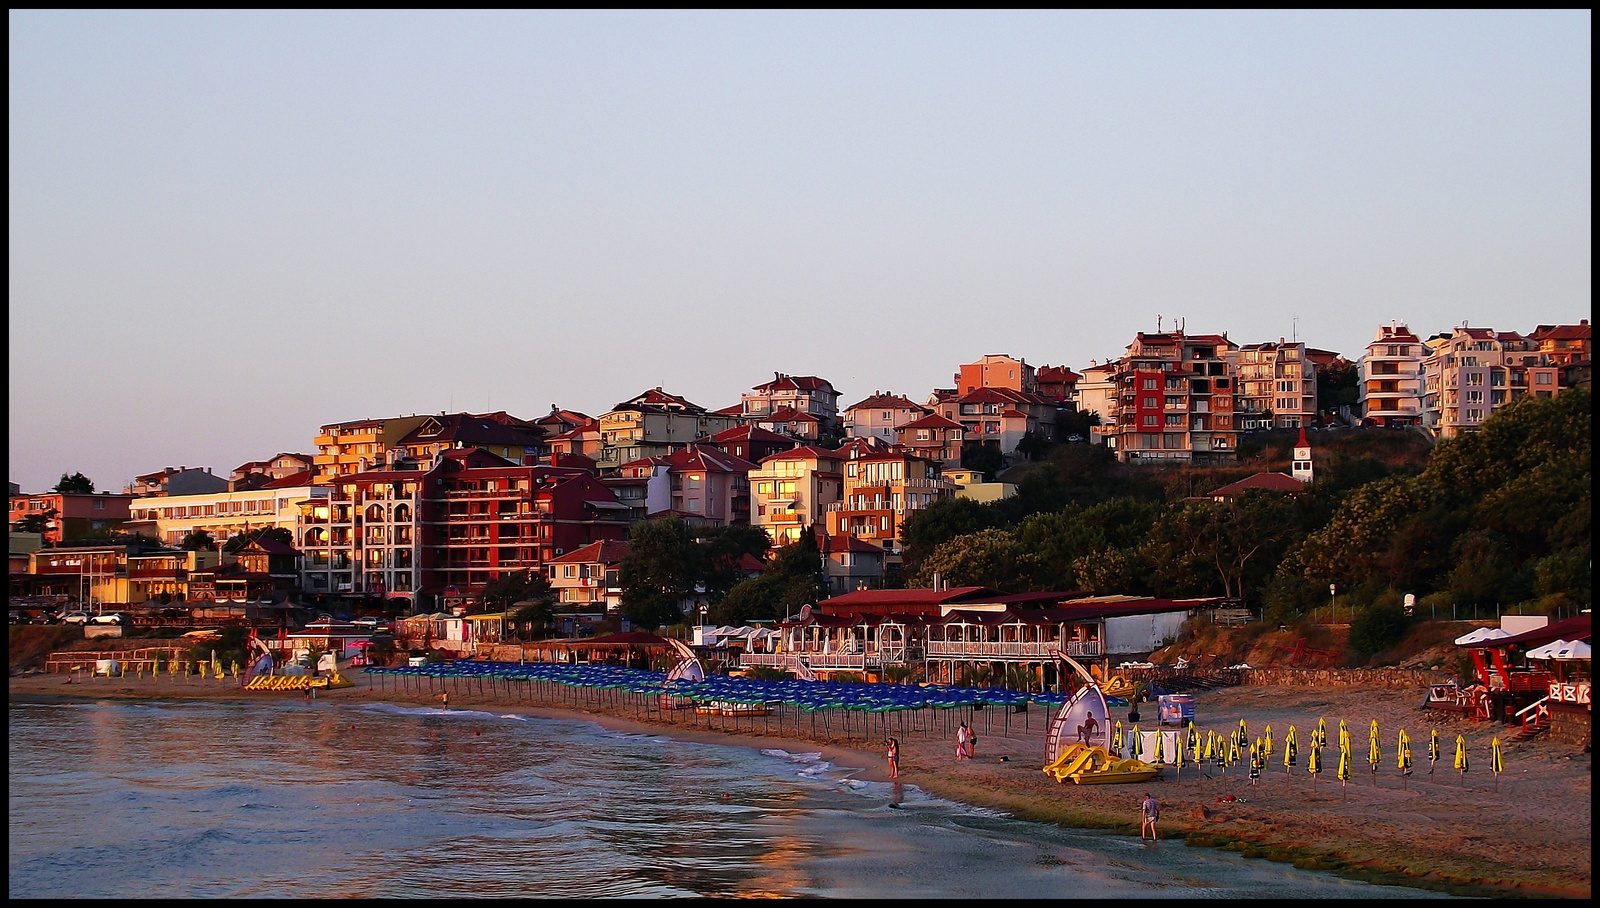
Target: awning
column 608, row 505
column 1481, row 635
column 1562, row 651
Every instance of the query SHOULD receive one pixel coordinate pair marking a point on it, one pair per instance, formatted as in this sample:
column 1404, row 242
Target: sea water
column 288, row 798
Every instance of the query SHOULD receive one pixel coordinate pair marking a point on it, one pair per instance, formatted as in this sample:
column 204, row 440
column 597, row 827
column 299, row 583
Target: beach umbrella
column 1344, row 768
column 1133, row 736
column 1255, row 760
column 1320, row 736
column 1461, row 758
column 1266, row 744
column 1179, row 739
column 1403, row 755
column 1233, row 752
column 1194, row 742
column 1291, row 750
column 1314, row 764
column 1161, row 756
column 1116, row 738
column 1344, row 736
column 1497, row 761
column 1243, row 737
column 1433, row 750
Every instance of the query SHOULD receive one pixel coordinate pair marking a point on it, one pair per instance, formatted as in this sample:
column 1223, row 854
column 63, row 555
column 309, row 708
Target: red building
column 73, row 515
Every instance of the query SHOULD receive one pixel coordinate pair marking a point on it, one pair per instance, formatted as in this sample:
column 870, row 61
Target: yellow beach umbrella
column 1461, row 757
column 1134, row 739
column 1220, row 755
column 1291, row 749
column 1344, row 766
column 1374, row 753
column 1403, row 756
column 1233, row 752
column 1497, row 761
column 1433, row 750
column 1266, row 743
column 1314, row 764
column 1344, row 735
column 1194, row 742
column 1116, row 738
column 1179, row 755
column 1161, row 756
column 1243, row 737
column 1320, row 736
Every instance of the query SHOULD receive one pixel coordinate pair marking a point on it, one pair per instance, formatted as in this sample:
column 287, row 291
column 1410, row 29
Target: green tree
column 659, row 572
column 1034, row 445
column 37, row 522
column 197, row 540
column 77, row 482
column 1113, row 571
column 931, row 527
column 1238, row 540
column 1378, row 628
column 239, row 540
column 1338, row 385
column 989, row 558
column 983, row 456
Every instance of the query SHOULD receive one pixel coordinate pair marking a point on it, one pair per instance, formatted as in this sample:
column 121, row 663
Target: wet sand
column 1531, row 836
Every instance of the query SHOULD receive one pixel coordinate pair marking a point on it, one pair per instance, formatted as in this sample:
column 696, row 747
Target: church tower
column 1301, row 468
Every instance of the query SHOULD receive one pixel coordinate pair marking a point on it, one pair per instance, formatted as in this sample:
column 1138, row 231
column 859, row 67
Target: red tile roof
column 748, row 433
column 788, row 414
column 606, row 551
column 657, row 399
column 932, row 421
column 1564, row 332
column 906, row 597
column 1056, row 375
column 733, row 410
column 795, row 383
column 846, row 542
column 883, row 400
column 1274, row 482
column 474, row 429
column 293, row 480
column 804, row 452
column 695, row 457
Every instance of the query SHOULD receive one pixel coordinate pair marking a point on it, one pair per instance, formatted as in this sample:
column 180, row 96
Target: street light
column 1333, row 591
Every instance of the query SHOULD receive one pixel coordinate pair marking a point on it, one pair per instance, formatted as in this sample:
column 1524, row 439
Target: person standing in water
column 893, row 753
column 1152, row 812
column 444, row 699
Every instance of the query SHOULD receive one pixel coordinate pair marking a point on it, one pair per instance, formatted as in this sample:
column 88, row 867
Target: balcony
column 956, row 649
column 828, row 661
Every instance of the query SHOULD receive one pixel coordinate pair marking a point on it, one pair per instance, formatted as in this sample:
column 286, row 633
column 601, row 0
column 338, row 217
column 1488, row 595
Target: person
column 962, row 737
column 1152, row 812
column 444, row 698
column 894, row 758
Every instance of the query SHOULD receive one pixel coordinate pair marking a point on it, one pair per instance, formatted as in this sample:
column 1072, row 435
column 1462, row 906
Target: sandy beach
column 1531, row 836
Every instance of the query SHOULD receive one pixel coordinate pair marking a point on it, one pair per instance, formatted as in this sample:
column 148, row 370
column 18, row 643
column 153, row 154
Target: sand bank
column 1531, row 836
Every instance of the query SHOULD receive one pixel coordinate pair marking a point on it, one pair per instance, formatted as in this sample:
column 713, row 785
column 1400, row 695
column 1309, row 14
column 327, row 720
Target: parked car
column 19, row 618
column 367, row 622
column 1074, row 438
column 111, row 618
column 75, row 617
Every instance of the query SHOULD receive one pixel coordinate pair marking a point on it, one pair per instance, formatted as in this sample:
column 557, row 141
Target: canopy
column 1481, row 635
column 1578, row 628
column 1563, row 650
column 632, row 638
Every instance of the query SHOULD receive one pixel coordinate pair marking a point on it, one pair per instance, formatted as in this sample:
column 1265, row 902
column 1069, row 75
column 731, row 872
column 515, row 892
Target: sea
column 280, row 799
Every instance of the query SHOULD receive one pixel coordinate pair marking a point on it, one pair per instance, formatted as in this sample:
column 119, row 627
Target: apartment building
column 278, row 466
column 499, row 433
column 176, row 481
column 346, row 448
column 1563, row 345
column 426, row 537
column 1174, row 400
column 881, row 415
column 73, row 515
column 586, row 579
column 882, row 490
column 1096, row 392
column 792, row 490
column 996, row 370
column 654, row 424
column 278, row 503
column 1471, row 371
column 809, row 402
column 935, row 438
column 998, row 416
column 751, row 443
column 1277, row 386
column 709, row 487
column 1390, row 375
column 643, row 485
column 1058, row 383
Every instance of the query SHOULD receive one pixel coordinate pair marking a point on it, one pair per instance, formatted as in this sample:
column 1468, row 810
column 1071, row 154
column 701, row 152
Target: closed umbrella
column 1220, row 755
column 1291, row 750
column 1344, row 735
column 1179, row 739
column 1161, row 757
column 1497, row 761
column 1135, row 740
column 1461, row 758
column 1255, row 760
column 1320, row 736
column 1242, row 738
column 1233, row 752
column 1266, row 744
column 1433, row 750
column 1403, row 756
column 1194, row 742
column 1344, row 768
column 1374, row 753
column 1314, row 764
column 1116, row 738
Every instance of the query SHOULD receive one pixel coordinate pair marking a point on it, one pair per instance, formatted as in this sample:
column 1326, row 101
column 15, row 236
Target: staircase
column 1530, row 732
column 1535, row 720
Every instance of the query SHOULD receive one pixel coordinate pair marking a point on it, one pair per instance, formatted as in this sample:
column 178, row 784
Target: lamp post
column 1333, row 591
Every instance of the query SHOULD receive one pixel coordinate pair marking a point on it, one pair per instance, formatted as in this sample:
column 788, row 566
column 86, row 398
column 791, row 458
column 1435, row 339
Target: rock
column 1201, row 812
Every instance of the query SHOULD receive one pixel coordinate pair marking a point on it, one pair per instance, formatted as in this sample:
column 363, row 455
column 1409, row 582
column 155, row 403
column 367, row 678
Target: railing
column 1570, row 692
column 829, row 661
column 957, row 649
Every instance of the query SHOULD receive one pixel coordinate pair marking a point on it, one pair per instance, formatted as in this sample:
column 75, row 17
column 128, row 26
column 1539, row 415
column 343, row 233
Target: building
column 277, row 503
column 1277, row 386
column 882, row 490
column 1562, row 344
column 1058, row 383
column 708, row 486
column 278, row 466
column 998, row 417
column 654, row 424
column 1174, row 401
column 73, row 515
column 1471, row 371
column 808, row 402
column 970, row 484
column 933, row 437
column 850, row 563
column 996, row 370
column 806, row 428
column 644, row 485
column 1390, row 375
column 881, row 416
column 792, row 490
column 355, row 447
column 751, row 443
column 176, row 481
column 585, row 579
column 1272, row 482
column 498, row 433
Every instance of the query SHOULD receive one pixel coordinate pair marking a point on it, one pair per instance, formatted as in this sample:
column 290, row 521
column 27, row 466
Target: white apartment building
column 1391, row 377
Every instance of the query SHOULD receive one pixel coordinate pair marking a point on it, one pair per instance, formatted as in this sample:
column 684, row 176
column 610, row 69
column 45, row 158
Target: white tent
column 1480, row 635
column 1561, row 650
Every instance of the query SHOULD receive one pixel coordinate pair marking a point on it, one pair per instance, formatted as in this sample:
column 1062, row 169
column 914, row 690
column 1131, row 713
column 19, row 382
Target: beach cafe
column 1519, row 679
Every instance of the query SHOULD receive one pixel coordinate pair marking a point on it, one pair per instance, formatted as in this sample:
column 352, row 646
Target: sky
column 228, row 229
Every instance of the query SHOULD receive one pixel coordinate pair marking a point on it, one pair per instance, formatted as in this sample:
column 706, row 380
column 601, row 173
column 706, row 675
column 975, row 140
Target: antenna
column 1158, row 323
column 1294, row 330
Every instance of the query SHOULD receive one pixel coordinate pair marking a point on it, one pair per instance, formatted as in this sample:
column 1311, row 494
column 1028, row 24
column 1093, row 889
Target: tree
column 239, row 540
column 503, row 592
column 1378, row 628
column 990, row 558
column 36, row 523
column 77, row 482
column 1034, row 445
column 983, row 456
column 197, row 540
column 1238, row 540
column 1338, row 385
column 658, row 572
column 943, row 521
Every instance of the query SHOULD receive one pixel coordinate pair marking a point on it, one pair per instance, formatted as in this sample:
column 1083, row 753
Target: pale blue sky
column 230, row 228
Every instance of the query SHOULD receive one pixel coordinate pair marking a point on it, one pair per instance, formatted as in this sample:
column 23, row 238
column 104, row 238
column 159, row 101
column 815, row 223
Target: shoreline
column 1381, row 835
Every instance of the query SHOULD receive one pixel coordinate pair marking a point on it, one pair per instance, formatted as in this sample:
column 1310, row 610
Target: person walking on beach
column 894, row 758
column 1152, row 812
column 444, row 699
column 962, row 737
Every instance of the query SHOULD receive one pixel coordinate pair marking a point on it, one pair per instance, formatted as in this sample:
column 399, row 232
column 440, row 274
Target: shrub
column 848, row 678
column 1377, row 628
column 765, row 673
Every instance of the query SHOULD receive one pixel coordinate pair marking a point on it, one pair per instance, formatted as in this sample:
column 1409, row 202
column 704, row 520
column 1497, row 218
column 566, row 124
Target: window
column 1474, row 397
column 886, row 416
column 1172, row 441
column 1474, row 415
column 1149, row 403
column 923, row 434
column 1174, row 419
column 99, row 504
column 1475, row 378
column 763, row 488
column 1149, row 384
column 1541, row 378
column 569, row 570
column 694, row 480
column 694, row 505
column 1149, row 419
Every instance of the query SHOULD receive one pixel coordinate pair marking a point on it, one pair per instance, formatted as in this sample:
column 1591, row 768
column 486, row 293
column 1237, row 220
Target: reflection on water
column 289, row 798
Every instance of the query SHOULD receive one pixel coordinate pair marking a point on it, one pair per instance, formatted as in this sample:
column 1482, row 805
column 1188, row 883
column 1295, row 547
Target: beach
column 1527, row 834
